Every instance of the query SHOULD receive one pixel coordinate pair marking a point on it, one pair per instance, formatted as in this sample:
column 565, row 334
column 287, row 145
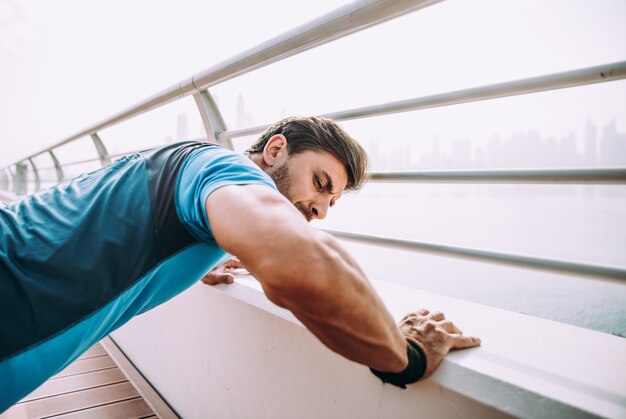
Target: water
column 585, row 224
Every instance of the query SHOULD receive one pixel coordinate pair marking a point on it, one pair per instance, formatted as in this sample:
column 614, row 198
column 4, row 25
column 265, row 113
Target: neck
column 257, row 158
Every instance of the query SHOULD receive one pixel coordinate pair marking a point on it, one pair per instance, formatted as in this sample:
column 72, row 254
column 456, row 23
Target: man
column 81, row 259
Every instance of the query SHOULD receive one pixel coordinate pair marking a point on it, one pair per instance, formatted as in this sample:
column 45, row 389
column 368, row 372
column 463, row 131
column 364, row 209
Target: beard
column 282, row 179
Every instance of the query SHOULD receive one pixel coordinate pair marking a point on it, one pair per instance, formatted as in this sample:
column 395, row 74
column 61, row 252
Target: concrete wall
column 228, row 352
column 210, row 354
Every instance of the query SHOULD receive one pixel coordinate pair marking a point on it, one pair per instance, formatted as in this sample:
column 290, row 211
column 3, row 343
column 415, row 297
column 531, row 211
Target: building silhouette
column 526, row 149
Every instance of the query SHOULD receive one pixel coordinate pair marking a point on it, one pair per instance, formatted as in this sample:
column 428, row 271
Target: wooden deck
column 102, row 383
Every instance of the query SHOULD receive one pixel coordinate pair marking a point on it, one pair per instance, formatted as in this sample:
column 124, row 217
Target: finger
column 420, row 312
column 217, row 270
column 233, row 264
column 461, row 342
column 226, row 278
column 218, row 278
column 449, row 327
column 208, row 279
column 437, row 316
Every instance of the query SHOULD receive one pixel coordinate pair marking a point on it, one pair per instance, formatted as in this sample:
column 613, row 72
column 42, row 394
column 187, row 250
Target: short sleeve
column 205, row 171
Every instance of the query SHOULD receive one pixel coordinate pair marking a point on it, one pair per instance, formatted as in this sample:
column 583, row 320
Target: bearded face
column 283, row 179
column 311, row 180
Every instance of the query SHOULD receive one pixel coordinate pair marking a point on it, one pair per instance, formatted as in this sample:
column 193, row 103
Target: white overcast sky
column 67, row 64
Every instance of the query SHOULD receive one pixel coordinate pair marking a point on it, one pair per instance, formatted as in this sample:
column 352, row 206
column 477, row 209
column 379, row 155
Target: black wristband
column 413, row 372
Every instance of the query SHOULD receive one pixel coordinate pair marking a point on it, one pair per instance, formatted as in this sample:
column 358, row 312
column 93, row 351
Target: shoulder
column 215, row 162
column 207, row 153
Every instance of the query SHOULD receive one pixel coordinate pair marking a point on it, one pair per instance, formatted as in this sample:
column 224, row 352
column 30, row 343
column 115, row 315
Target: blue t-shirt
column 79, row 260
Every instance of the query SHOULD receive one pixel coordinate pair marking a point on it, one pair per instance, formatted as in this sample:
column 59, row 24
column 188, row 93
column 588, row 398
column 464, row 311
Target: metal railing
column 580, row 77
column 331, row 26
column 523, row 261
column 606, row 176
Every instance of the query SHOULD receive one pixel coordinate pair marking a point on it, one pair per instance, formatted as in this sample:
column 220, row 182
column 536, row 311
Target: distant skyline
column 525, row 149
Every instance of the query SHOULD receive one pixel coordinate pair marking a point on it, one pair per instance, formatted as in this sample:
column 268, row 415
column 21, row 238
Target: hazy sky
column 66, row 64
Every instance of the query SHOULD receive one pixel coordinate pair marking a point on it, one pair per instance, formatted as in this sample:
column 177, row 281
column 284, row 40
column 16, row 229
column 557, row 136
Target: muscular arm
column 309, row 273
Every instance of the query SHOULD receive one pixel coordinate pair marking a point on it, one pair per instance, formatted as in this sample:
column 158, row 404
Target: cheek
column 300, row 190
column 302, row 193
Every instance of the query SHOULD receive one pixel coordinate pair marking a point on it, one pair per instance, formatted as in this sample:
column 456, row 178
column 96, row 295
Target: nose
column 320, row 209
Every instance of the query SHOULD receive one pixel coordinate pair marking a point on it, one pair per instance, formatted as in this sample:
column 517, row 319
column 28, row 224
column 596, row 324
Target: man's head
column 312, row 161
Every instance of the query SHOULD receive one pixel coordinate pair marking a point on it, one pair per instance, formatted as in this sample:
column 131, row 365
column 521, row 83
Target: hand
column 220, row 274
column 435, row 335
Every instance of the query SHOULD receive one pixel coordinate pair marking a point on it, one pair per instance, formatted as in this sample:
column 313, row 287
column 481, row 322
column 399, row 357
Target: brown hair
column 319, row 134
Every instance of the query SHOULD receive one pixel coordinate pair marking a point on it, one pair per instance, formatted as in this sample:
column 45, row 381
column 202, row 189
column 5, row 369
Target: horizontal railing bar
column 552, row 265
column 579, row 77
column 124, row 153
column 45, row 181
column 127, row 153
column 40, row 169
column 573, row 176
column 338, row 23
column 73, row 163
column 573, row 78
column 243, row 132
column 604, row 176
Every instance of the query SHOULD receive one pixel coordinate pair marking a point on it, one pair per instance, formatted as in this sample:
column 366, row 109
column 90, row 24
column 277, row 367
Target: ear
column 275, row 151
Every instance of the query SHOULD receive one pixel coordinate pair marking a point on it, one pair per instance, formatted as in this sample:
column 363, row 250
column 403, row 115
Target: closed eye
column 318, row 184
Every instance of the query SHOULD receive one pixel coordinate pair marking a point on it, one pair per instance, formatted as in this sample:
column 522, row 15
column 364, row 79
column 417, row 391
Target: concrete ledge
column 227, row 351
column 526, row 366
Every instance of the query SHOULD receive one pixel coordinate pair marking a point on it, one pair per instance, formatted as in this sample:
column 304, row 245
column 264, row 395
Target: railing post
column 57, row 166
column 36, row 173
column 4, row 180
column 103, row 154
column 211, row 118
column 11, row 178
column 21, row 180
